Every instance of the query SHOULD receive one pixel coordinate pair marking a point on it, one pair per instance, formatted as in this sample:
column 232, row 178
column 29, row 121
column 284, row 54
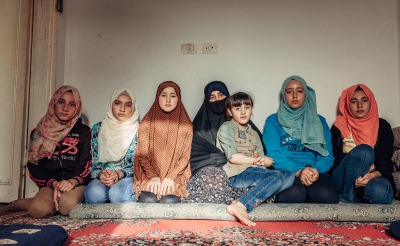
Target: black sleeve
column 337, row 147
column 82, row 172
column 39, row 176
column 384, row 149
column 37, row 172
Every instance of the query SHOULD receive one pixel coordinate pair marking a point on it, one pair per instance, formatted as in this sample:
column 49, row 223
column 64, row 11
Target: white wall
column 105, row 44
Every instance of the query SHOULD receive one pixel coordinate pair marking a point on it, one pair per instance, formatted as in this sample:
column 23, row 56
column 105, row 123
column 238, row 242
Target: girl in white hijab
column 113, row 148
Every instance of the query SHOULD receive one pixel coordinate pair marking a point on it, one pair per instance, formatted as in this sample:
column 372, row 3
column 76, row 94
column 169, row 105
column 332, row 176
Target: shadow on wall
column 85, row 119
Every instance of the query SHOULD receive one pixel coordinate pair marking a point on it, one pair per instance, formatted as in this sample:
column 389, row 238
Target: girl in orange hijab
column 161, row 163
column 362, row 147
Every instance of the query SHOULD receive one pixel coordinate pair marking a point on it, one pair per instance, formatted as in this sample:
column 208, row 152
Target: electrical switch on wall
column 209, row 48
column 188, row 48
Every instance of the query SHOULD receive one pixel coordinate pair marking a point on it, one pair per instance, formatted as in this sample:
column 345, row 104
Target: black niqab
column 209, row 118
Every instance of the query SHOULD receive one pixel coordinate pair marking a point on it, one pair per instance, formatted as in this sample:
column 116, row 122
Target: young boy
column 247, row 166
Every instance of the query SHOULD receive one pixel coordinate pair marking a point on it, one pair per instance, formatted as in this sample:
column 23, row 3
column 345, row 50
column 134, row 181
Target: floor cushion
column 32, row 235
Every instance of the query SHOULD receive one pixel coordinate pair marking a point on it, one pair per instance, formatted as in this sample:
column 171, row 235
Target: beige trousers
column 42, row 205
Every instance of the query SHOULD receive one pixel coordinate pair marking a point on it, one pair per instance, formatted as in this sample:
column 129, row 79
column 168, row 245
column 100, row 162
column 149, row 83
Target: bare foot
column 20, row 204
column 240, row 212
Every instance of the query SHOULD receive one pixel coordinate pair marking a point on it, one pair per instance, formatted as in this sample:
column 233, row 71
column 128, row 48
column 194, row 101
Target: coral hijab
column 50, row 130
column 365, row 130
column 164, row 144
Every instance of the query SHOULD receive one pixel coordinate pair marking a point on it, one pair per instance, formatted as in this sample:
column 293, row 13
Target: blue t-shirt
column 288, row 152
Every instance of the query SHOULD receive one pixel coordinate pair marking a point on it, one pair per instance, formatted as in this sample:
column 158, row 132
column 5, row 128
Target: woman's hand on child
column 154, row 185
column 167, row 186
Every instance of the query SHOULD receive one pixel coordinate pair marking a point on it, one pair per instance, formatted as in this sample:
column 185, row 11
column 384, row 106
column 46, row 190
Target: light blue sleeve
column 272, row 141
column 324, row 163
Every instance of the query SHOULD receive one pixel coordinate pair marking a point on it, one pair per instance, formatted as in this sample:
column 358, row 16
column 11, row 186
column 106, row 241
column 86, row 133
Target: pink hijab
column 365, row 130
column 50, row 130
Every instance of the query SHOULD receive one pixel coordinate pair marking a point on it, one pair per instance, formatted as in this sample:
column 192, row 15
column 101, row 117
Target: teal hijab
column 303, row 122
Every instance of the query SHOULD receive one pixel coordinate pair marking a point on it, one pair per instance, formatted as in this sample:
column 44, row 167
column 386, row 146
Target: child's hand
column 268, row 161
column 256, row 154
column 258, row 161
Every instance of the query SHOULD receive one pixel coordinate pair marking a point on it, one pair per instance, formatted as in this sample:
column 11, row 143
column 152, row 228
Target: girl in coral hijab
column 363, row 147
column 162, row 156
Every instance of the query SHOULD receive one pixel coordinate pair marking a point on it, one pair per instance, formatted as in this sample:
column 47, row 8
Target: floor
column 3, row 208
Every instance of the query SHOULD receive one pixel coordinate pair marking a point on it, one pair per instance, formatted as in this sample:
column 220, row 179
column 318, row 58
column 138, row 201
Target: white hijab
column 116, row 136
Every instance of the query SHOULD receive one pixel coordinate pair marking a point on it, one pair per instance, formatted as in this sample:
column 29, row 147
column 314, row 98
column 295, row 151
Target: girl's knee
column 96, row 192
column 297, row 193
column 38, row 209
column 288, row 179
column 66, row 205
column 122, row 194
column 379, row 191
column 324, row 197
column 70, row 199
column 364, row 152
column 147, row 197
column 93, row 196
column 170, row 199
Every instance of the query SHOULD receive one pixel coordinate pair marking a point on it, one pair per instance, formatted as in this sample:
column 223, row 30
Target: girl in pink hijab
column 59, row 157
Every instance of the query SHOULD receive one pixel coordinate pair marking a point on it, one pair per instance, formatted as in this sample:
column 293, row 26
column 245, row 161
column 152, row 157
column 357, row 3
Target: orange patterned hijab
column 164, row 145
column 365, row 130
column 50, row 130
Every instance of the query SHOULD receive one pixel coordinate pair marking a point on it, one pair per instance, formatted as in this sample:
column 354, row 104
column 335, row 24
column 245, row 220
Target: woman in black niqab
column 209, row 118
column 209, row 183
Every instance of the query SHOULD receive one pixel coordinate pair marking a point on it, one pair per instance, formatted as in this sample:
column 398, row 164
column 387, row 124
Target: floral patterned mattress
column 265, row 212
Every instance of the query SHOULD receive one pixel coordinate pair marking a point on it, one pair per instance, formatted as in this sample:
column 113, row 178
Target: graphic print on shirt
column 242, row 134
column 69, row 148
column 293, row 144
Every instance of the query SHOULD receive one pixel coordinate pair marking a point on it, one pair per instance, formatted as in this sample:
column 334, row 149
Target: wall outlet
column 209, row 48
column 188, row 48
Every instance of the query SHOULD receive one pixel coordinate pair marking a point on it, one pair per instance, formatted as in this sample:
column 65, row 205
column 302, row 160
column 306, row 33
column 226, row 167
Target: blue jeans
column 264, row 182
column 120, row 192
column 356, row 164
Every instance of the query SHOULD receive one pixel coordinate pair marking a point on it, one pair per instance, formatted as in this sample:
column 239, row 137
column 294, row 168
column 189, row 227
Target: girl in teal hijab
column 299, row 140
column 304, row 119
